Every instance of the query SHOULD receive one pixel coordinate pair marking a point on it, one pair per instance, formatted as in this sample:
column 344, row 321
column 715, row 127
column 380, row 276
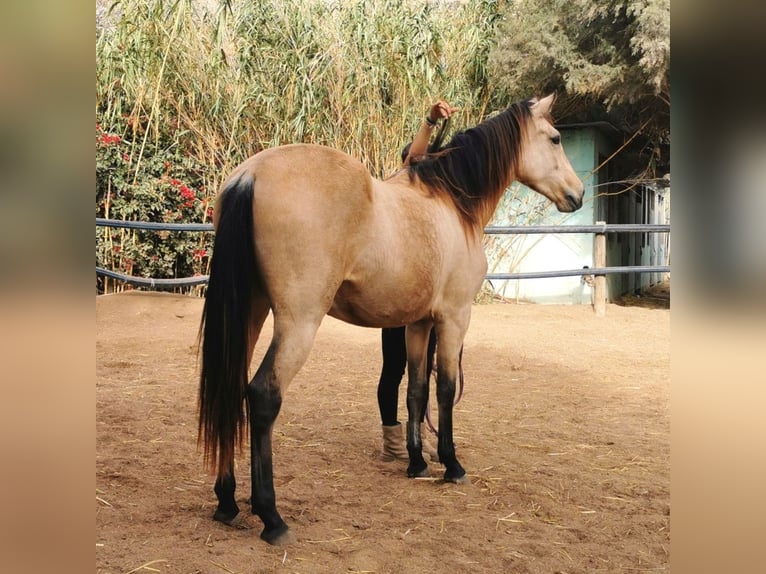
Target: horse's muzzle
column 574, row 200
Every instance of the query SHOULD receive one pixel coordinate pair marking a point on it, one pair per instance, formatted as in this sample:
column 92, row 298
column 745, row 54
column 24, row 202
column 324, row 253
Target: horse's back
column 307, row 187
column 309, row 170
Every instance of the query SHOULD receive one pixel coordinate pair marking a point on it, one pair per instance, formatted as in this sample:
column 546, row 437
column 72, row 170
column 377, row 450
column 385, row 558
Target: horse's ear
column 543, row 106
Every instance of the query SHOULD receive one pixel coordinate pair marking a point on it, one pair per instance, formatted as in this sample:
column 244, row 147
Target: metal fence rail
column 491, row 230
column 596, row 228
column 101, row 222
column 153, row 283
column 583, row 272
column 599, row 229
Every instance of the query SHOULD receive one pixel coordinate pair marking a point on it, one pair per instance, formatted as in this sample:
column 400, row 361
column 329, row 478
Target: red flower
column 199, row 253
column 108, row 139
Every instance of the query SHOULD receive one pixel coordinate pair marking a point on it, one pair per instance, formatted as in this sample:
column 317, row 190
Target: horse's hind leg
column 288, row 351
column 226, row 484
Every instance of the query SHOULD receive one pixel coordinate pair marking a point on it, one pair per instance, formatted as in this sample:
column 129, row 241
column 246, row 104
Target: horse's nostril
column 574, row 201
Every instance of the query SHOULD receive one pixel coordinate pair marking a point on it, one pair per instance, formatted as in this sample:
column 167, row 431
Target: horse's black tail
column 224, row 327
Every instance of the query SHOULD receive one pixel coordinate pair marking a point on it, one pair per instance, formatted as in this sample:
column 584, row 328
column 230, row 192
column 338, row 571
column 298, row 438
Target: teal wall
column 582, row 148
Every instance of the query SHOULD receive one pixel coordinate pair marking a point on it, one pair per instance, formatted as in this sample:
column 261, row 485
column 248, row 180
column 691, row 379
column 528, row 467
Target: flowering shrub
column 165, row 186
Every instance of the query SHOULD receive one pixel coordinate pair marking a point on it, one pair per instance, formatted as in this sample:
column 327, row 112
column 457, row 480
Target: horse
column 303, row 231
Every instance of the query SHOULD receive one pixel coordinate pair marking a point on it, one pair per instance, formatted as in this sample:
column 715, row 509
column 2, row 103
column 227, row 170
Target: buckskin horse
column 304, row 231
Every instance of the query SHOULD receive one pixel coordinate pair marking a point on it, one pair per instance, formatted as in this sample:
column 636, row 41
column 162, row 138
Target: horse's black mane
column 477, row 164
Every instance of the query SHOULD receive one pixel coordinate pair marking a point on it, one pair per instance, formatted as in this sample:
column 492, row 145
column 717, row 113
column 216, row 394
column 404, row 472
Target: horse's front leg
column 450, row 340
column 417, row 395
column 445, row 396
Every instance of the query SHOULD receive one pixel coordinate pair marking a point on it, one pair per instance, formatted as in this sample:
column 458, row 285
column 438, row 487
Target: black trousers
column 394, row 364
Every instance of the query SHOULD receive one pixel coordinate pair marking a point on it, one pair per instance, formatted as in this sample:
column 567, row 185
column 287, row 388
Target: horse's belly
column 371, row 308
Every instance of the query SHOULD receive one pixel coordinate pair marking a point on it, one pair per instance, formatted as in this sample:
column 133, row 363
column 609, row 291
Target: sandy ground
column 564, row 430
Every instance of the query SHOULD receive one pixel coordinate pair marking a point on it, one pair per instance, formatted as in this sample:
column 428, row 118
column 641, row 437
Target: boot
column 428, row 448
column 394, row 446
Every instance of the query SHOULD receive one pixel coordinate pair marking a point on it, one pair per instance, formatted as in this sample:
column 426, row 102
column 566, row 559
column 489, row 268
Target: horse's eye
column 556, row 140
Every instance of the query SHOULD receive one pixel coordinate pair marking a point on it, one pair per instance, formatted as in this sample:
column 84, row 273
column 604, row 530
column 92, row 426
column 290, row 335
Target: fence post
column 599, row 281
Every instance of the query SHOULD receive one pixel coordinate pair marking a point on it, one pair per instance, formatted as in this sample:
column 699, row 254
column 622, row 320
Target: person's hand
column 439, row 110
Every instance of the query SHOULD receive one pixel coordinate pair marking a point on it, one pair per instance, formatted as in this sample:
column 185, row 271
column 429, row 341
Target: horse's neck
column 490, row 203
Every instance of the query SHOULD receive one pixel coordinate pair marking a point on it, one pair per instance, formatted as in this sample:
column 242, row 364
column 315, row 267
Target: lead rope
column 429, row 423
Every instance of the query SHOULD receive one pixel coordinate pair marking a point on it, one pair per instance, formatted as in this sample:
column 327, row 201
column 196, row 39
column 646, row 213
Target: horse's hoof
column 422, row 473
column 236, row 520
column 280, row 536
column 457, row 479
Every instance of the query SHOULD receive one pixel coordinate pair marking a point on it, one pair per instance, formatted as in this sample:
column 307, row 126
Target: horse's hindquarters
column 311, row 205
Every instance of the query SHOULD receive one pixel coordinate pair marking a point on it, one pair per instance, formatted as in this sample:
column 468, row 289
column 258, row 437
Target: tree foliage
column 606, row 60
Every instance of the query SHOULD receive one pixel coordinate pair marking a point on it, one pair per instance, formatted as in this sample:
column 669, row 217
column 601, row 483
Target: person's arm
column 419, row 146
